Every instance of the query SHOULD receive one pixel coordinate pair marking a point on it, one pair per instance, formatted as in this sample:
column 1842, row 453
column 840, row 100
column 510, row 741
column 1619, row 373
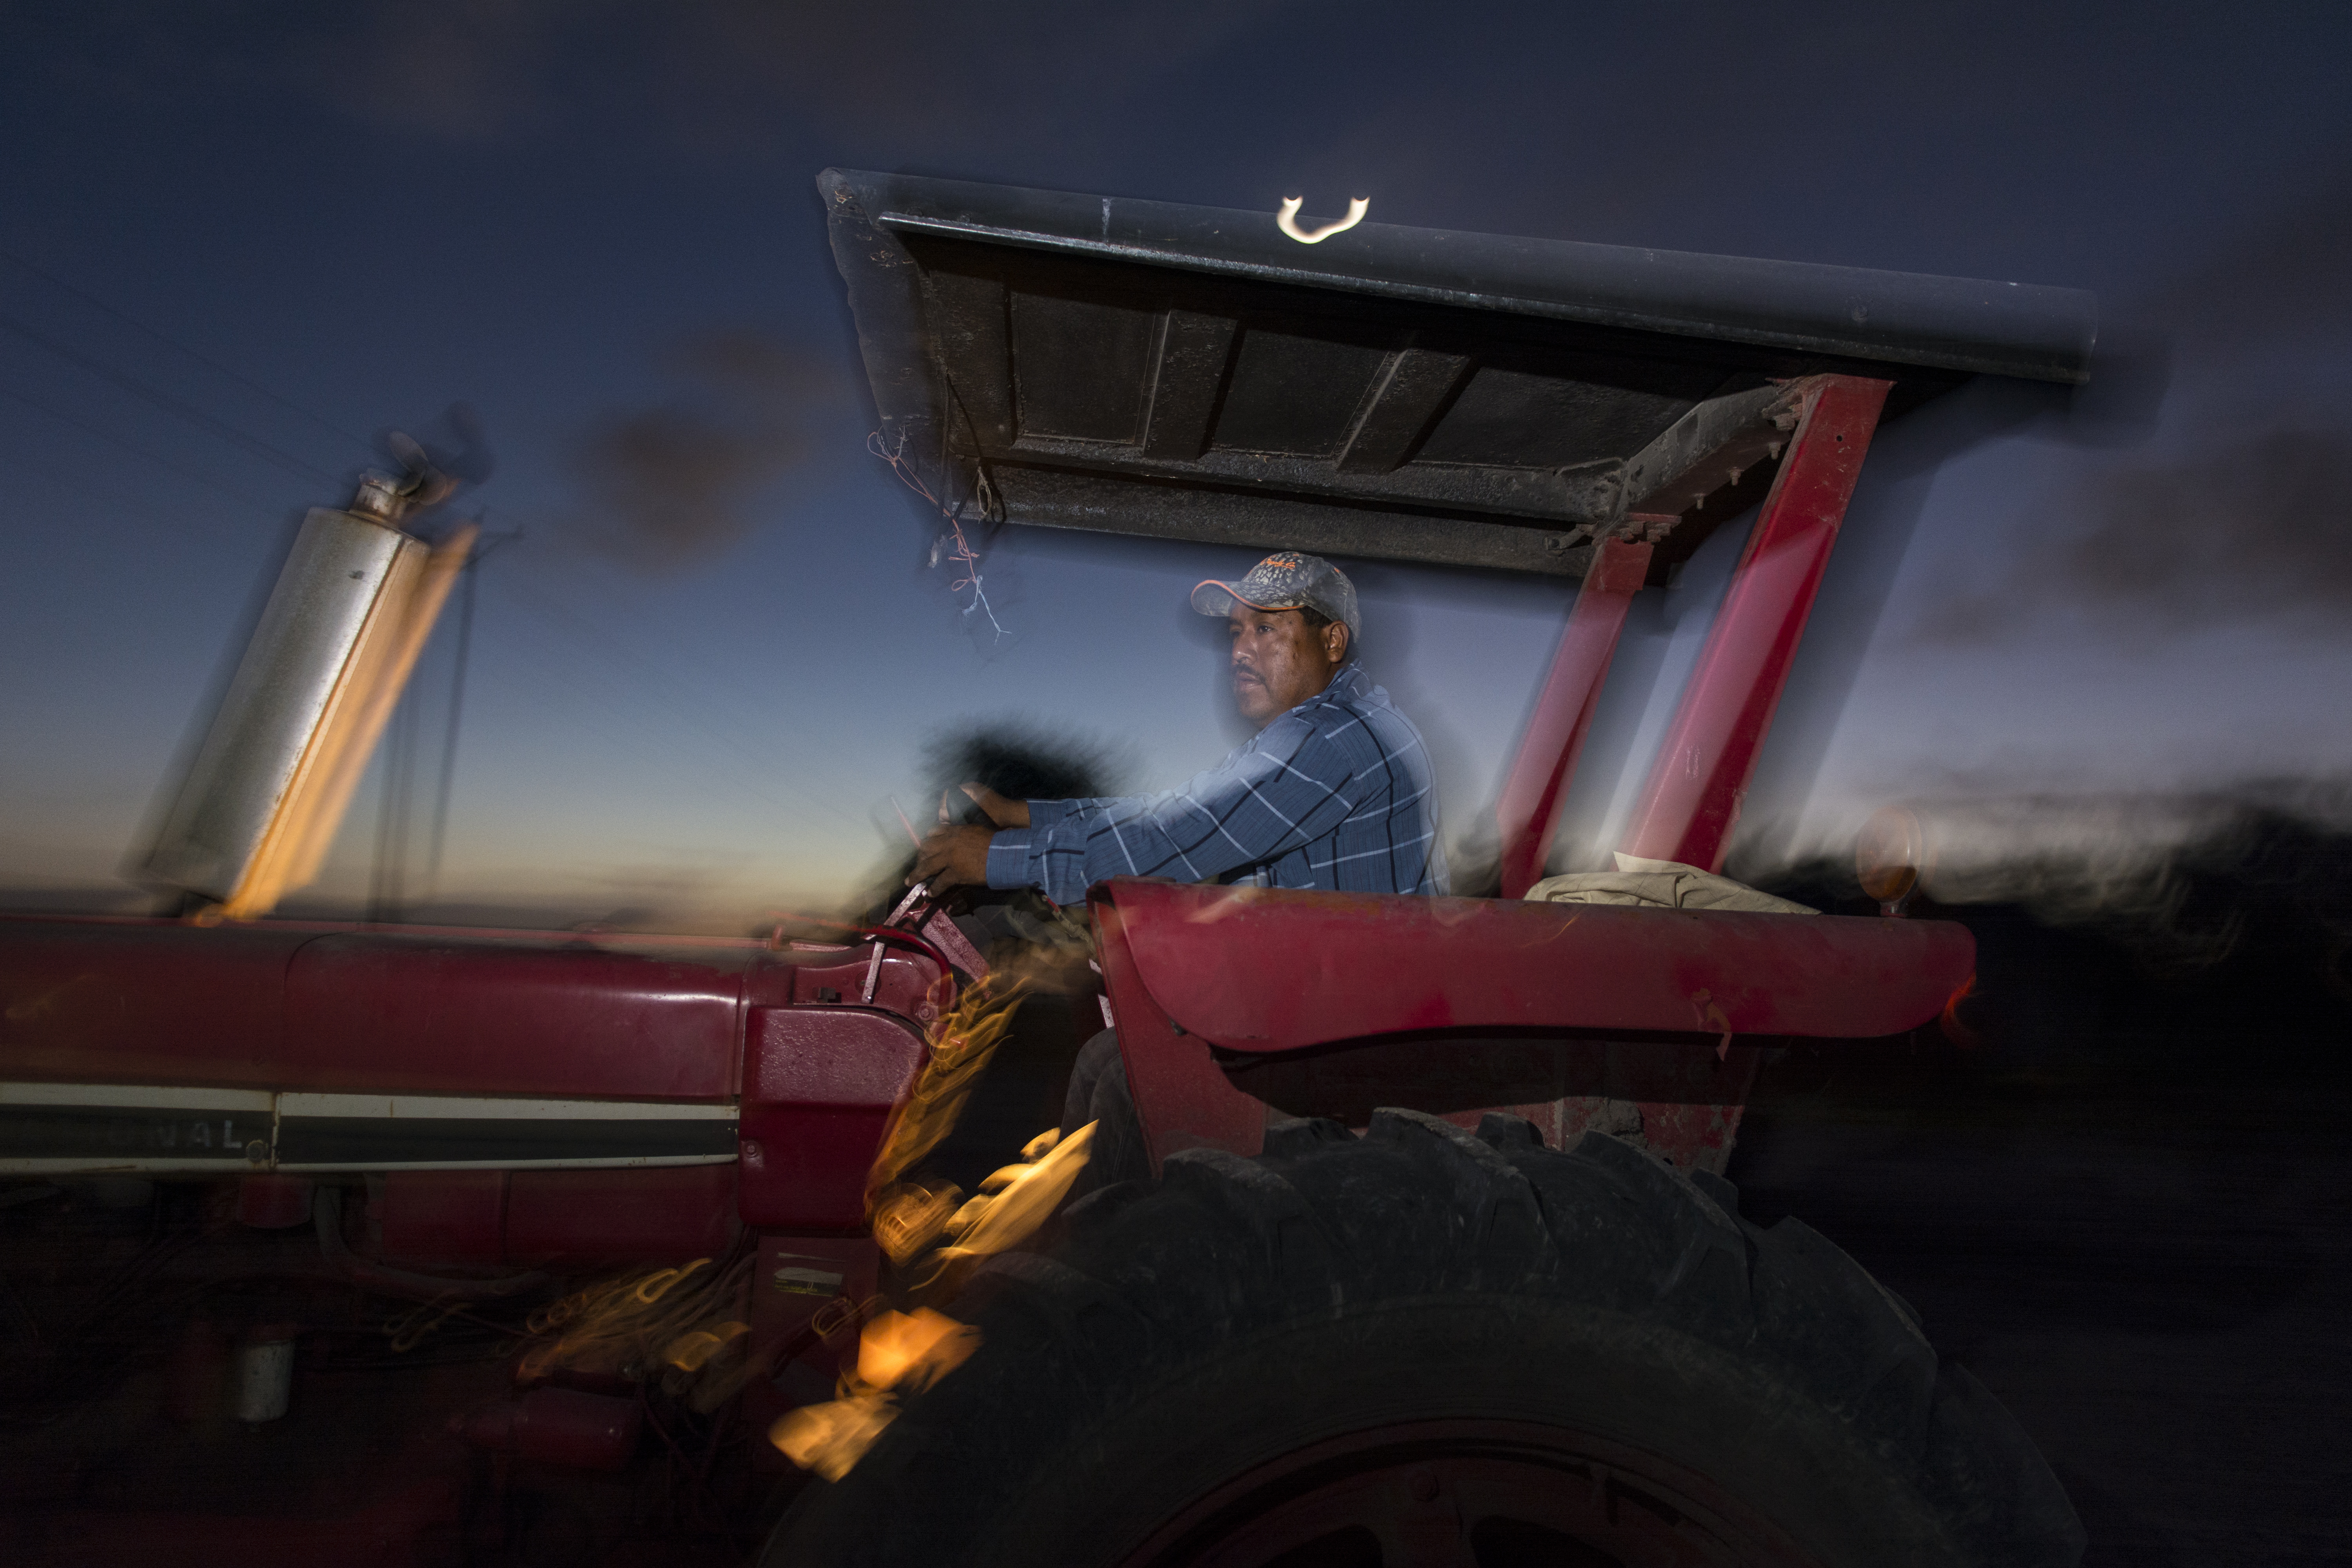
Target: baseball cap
column 1287, row 580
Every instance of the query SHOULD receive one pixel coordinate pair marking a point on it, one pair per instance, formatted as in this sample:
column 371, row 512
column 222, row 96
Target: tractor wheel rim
column 1468, row 1494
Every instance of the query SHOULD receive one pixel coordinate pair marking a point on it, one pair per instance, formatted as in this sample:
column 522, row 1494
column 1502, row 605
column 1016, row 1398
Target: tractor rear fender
column 1230, row 1001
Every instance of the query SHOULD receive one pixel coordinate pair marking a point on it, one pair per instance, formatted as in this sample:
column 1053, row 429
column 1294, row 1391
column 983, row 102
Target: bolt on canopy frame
column 1542, row 406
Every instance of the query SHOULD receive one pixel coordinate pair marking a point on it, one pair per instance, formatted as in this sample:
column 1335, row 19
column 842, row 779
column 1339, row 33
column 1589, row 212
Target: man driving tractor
column 1333, row 791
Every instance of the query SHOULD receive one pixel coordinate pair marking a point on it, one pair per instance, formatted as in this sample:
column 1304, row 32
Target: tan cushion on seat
column 1662, row 885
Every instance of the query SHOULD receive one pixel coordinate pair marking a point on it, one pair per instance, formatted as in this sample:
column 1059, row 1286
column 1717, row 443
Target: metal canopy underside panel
column 1413, row 394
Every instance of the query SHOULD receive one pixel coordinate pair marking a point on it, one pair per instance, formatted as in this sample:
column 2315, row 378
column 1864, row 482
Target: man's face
column 1280, row 661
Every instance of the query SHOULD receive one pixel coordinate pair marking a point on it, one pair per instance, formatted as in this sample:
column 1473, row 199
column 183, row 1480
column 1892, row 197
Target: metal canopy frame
column 1390, row 392
column 1565, row 409
column 1691, row 802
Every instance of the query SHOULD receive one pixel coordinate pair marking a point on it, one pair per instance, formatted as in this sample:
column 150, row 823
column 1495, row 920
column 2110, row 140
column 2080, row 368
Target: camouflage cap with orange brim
column 1287, row 580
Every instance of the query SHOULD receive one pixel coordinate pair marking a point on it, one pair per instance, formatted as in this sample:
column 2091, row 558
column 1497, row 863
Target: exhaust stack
column 341, row 631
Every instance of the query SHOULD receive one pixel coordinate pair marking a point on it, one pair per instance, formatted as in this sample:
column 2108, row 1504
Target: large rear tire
column 1425, row 1347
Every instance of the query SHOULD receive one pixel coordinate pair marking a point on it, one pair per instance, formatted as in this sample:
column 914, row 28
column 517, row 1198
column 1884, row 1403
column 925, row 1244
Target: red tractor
column 421, row 1245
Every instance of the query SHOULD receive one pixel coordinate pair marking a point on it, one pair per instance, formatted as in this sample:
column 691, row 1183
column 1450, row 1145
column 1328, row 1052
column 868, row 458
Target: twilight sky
column 239, row 241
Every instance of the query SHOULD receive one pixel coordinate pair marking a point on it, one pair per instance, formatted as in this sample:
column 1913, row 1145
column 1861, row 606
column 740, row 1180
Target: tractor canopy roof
column 1096, row 363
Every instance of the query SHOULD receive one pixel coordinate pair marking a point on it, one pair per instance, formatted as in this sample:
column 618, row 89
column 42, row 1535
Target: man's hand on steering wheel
column 957, row 857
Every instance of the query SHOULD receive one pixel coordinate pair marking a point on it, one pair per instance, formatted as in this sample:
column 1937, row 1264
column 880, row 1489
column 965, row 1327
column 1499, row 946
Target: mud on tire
column 1424, row 1345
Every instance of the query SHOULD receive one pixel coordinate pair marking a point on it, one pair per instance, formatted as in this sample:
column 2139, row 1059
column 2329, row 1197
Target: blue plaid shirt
column 1335, row 794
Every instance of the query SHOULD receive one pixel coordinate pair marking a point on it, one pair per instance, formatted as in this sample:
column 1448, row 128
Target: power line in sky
column 138, row 451
column 170, row 405
column 678, row 703
column 205, row 360
column 115, row 499
column 594, row 715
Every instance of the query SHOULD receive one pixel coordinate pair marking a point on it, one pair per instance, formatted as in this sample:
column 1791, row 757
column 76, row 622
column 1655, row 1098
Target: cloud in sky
column 2257, row 528
column 453, row 70
column 706, row 72
column 674, row 484
column 2226, row 503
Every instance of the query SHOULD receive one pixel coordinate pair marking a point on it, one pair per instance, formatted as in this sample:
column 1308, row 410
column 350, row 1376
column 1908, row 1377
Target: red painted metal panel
column 826, row 1056
column 657, row 1215
column 1400, row 990
column 1528, row 808
column 1692, row 801
column 1269, row 970
column 818, row 1086
column 273, row 1202
column 442, row 1217
column 902, row 982
column 117, row 1001
column 313, row 1007
column 669, row 1213
column 389, row 1011
column 1181, row 1098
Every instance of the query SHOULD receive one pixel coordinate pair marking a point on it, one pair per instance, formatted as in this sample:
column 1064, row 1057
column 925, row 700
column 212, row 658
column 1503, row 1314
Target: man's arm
column 1289, row 787
column 957, row 857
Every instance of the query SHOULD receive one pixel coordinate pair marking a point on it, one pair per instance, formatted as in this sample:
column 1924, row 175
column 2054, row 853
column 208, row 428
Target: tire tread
column 1146, row 1283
